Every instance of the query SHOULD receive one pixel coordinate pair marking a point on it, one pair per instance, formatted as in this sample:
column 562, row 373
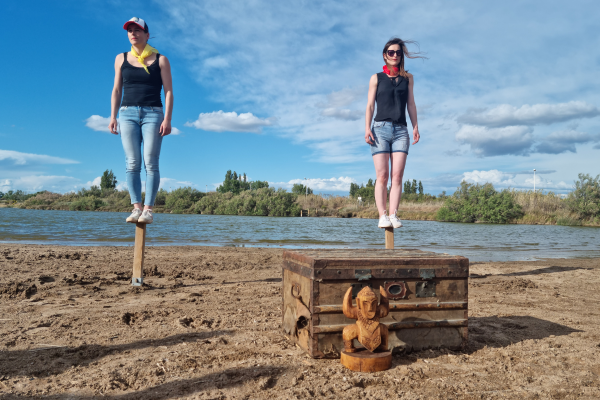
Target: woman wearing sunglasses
column 139, row 77
column 392, row 90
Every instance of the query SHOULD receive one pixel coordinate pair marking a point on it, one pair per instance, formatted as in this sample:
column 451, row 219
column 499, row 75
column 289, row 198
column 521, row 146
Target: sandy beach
column 207, row 326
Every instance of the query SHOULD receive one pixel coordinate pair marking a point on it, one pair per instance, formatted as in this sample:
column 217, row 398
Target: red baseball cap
column 137, row 21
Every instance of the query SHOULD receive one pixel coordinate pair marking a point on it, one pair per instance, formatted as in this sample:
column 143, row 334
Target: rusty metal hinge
column 362, row 274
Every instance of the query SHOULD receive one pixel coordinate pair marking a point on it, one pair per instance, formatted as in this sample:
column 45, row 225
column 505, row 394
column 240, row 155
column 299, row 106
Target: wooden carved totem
column 367, row 330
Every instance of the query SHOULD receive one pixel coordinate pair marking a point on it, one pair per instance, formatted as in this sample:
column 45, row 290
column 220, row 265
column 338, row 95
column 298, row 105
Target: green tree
column 299, row 189
column 413, row 186
column 420, row 188
column 354, row 189
column 236, row 184
column 585, row 198
column 108, row 180
column 370, row 183
column 254, row 185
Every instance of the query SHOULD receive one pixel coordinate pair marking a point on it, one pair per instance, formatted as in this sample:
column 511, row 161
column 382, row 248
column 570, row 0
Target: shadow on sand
column 498, row 332
column 53, row 361
column 228, row 378
column 539, row 271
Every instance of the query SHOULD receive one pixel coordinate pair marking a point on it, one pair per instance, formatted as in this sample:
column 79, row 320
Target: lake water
column 478, row 242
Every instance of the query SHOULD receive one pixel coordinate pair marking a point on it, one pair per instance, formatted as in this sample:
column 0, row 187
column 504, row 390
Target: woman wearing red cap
column 392, row 90
column 139, row 77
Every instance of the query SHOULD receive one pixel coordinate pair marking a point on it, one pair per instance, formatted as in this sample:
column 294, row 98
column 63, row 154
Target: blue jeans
column 137, row 125
column 389, row 138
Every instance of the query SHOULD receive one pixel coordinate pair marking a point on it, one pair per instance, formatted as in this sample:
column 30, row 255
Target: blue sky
column 278, row 90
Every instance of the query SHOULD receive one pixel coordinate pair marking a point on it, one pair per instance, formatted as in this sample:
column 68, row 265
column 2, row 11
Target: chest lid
column 365, row 264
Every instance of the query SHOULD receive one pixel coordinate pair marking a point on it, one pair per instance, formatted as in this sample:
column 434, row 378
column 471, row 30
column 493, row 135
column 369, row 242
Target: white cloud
column 122, row 185
column 35, row 183
column 219, row 121
column 537, row 114
column 542, row 183
column 342, row 113
column 95, row 182
column 341, row 184
column 170, row 183
column 16, row 158
column 493, row 176
column 485, row 142
column 563, row 141
column 345, row 97
column 98, row 123
column 216, row 62
column 503, row 180
column 339, row 99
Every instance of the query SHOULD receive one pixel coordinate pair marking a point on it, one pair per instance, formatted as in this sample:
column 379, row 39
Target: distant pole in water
column 534, row 180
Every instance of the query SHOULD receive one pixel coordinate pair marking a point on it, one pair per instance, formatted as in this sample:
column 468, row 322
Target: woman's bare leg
column 382, row 171
column 398, row 164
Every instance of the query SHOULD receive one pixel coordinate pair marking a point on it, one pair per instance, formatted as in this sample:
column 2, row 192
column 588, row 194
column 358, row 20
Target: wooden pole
column 138, row 255
column 389, row 238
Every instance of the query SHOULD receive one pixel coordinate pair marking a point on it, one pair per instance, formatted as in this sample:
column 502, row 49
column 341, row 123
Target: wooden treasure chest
column 428, row 295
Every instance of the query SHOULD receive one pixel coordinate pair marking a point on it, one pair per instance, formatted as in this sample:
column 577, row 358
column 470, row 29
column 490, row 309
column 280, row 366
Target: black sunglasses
column 390, row 53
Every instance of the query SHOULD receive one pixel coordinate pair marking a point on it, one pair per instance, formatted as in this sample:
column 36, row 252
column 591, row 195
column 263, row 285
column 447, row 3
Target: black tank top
column 139, row 87
column 392, row 95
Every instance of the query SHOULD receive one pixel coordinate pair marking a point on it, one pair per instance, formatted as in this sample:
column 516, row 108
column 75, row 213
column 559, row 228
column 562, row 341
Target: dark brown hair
column 405, row 52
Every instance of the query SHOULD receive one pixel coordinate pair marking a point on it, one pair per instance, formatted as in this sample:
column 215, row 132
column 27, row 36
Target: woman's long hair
column 405, row 52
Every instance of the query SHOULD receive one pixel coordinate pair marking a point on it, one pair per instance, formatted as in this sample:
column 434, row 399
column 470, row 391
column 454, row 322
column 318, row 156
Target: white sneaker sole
column 143, row 221
column 132, row 219
column 399, row 225
column 385, row 226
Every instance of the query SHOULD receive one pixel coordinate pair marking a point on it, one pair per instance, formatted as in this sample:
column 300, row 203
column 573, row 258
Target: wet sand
column 206, row 326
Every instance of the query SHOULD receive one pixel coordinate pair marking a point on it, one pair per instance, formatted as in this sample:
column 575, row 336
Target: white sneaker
column 384, row 221
column 146, row 217
column 135, row 215
column 396, row 223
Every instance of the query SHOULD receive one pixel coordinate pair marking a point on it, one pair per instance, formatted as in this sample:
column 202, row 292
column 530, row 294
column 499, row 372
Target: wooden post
column 389, row 238
column 138, row 255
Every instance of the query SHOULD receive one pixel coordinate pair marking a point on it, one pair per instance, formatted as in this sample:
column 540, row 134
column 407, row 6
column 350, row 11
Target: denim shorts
column 389, row 138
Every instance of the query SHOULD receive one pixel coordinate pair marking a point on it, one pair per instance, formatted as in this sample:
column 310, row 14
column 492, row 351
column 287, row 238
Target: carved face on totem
column 367, row 303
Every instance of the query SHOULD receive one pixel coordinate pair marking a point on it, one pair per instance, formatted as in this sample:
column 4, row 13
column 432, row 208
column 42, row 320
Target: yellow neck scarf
column 147, row 51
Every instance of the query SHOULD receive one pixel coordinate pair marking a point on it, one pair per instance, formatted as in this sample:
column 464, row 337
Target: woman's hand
column 369, row 138
column 113, row 125
column 416, row 135
column 165, row 128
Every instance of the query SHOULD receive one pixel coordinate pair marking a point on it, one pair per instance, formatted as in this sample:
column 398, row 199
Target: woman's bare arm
column 412, row 109
column 115, row 98
column 370, row 109
column 167, row 81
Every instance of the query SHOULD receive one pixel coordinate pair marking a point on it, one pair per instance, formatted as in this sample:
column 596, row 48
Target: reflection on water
column 479, row 242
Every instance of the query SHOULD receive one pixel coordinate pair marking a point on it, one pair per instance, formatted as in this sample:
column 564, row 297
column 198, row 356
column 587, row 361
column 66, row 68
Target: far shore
column 413, row 212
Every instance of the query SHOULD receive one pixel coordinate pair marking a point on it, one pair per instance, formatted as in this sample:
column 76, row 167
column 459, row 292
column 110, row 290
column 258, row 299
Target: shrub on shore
column 479, row 203
column 585, row 199
column 261, row 202
column 180, row 199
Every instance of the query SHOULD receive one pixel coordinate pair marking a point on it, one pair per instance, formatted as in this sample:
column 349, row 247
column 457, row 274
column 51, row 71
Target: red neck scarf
column 393, row 72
